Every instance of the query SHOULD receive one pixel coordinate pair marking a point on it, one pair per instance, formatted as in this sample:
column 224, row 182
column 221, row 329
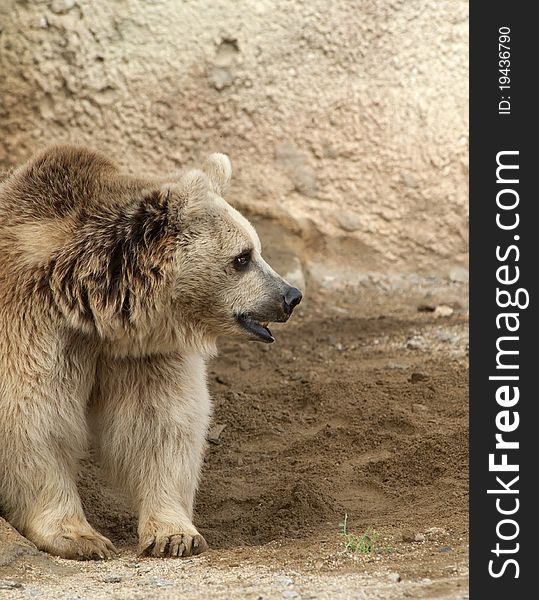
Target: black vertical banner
column 504, row 301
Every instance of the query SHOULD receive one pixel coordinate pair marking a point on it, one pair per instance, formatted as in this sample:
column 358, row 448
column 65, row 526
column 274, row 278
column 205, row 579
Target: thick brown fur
column 113, row 291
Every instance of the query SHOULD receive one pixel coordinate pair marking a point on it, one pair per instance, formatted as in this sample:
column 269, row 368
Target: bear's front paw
column 173, row 545
column 76, row 545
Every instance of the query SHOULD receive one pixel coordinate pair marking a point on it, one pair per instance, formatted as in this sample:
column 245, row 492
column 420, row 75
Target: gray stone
column 10, row 585
column 394, row 577
column 160, row 582
column 112, row 579
column 416, row 343
column 435, row 531
column 215, row 432
column 348, row 220
column 396, row 365
column 445, row 336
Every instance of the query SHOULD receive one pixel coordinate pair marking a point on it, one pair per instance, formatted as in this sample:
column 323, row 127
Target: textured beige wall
column 346, row 120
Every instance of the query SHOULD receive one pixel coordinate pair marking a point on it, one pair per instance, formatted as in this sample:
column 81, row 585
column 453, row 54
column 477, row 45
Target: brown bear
column 113, row 292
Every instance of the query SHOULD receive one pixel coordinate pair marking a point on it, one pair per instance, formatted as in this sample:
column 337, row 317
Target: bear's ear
column 190, row 189
column 219, row 171
column 194, row 185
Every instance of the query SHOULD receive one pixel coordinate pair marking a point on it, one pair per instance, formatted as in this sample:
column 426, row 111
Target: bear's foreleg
column 43, row 434
column 149, row 417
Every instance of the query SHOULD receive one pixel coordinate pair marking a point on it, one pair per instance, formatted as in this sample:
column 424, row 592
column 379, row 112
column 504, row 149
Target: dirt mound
column 271, row 511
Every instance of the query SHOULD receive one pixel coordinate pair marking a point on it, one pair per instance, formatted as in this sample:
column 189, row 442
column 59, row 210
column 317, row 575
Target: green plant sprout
column 362, row 544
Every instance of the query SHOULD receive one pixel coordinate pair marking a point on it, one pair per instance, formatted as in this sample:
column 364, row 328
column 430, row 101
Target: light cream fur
column 78, row 365
column 37, row 241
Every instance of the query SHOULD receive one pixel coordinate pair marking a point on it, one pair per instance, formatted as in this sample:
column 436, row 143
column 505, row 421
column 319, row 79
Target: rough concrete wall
column 346, row 121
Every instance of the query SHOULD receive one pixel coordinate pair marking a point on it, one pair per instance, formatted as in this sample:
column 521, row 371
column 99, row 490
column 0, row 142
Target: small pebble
column 415, row 377
column 396, row 365
column 10, row 585
column 112, row 579
column 436, row 531
column 445, row 336
column 445, row 549
column 408, row 536
column 419, row 537
column 394, row 577
column 158, row 582
column 415, row 343
column 290, row 594
column 426, row 308
column 215, row 432
column 443, row 311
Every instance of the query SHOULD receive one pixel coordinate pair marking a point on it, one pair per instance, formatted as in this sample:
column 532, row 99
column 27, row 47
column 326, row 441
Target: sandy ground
column 359, row 408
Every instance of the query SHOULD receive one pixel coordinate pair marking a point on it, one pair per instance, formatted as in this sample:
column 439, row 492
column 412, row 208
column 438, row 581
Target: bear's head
column 221, row 282
column 172, row 266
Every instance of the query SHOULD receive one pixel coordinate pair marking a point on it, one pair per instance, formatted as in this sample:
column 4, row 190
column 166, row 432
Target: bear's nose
column 292, row 298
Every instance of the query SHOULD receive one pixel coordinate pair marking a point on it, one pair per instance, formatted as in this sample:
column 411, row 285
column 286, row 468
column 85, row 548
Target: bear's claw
column 84, row 546
column 173, row 545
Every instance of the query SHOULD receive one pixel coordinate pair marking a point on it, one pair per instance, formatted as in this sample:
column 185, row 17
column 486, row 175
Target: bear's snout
column 292, row 297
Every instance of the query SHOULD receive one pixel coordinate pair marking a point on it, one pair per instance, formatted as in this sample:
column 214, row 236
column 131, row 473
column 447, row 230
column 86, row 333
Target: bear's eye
column 241, row 262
